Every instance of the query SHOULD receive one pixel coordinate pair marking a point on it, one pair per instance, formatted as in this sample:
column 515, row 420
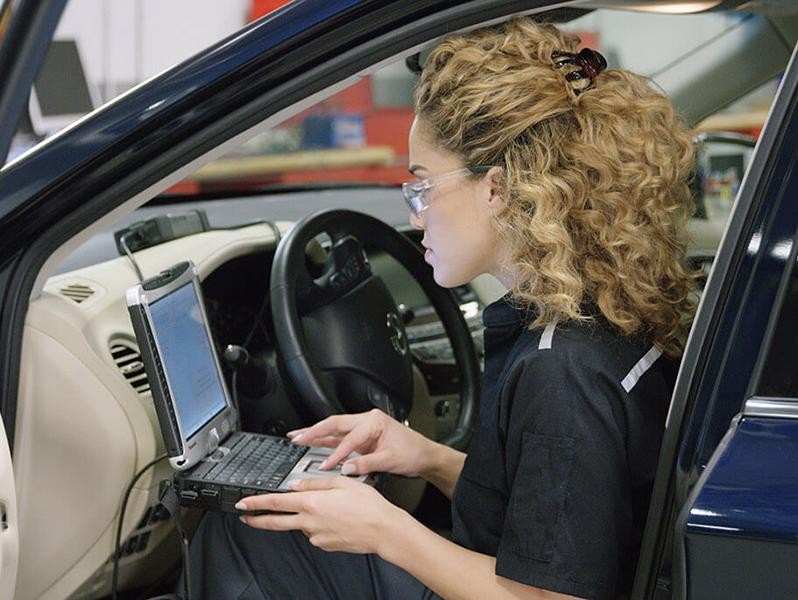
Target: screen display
column 187, row 357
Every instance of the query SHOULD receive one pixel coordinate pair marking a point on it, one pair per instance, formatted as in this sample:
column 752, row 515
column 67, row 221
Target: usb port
column 210, row 493
column 188, row 495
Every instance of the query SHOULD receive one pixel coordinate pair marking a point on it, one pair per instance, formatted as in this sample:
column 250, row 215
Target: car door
column 9, row 537
column 722, row 520
column 26, row 27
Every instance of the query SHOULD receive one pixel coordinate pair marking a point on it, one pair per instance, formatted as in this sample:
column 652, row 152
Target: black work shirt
column 558, row 476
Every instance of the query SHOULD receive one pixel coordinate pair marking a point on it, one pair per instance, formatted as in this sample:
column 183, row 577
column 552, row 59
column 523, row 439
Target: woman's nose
column 416, row 221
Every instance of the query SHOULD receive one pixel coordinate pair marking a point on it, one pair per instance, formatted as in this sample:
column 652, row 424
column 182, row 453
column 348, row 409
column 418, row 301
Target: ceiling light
column 664, row 6
column 680, row 8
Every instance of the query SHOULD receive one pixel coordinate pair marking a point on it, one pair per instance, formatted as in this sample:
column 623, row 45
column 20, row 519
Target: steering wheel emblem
column 398, row 335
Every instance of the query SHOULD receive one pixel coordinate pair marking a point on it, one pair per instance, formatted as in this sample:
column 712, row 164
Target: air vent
column 128, row 361
column 77, row 292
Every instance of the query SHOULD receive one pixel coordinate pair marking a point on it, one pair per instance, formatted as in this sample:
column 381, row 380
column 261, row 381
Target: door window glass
column 780, row 374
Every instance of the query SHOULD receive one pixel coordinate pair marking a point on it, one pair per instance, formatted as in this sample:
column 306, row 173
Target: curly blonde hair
column 595, row 189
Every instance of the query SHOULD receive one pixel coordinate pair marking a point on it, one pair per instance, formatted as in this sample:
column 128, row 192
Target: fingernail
column 296, row 438
column 240, row 506
column 243, row 519
column 348, row 469
column 323, row 465
column 294, row 484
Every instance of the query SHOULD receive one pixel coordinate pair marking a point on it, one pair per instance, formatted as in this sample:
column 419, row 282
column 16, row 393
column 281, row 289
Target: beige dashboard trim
column 82, row 431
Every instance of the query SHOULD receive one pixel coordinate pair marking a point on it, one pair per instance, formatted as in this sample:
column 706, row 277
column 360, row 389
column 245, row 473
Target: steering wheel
column 340, row 335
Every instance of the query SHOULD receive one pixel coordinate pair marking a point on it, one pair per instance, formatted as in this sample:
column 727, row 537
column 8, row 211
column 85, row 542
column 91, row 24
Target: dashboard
column 84, row 394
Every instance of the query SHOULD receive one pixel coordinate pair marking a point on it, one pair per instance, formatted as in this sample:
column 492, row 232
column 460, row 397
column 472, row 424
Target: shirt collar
column 507, row 311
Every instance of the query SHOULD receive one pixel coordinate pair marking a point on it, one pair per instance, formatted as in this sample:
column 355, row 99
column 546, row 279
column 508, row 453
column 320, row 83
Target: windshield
column 356, row 139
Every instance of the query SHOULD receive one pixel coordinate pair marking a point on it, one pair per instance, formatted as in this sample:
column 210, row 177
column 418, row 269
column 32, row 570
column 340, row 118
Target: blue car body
column 724, row 516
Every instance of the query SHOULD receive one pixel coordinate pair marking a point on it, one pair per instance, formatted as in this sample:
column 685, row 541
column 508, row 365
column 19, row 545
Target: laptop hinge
column 213, row 440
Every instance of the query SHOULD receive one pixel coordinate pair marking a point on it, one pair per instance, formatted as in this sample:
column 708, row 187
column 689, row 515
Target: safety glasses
column 417, row 193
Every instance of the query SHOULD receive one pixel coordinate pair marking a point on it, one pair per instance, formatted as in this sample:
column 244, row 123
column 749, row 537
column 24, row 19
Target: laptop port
column 210, row 493
column 188, row 495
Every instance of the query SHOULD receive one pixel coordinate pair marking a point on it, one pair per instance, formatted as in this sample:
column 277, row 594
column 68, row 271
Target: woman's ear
column 494, row 177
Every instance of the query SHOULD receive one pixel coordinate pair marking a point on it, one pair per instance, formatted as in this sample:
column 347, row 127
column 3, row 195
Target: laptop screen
column 187, row 356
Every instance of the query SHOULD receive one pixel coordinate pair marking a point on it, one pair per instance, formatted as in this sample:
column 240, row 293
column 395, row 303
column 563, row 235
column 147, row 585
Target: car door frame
column 718, row 370
column 28, row 27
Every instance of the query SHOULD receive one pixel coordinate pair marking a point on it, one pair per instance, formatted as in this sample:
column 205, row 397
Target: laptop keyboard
column 254, row 460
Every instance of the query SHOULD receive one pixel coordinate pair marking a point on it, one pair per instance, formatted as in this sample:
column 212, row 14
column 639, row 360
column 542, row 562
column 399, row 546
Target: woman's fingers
column 368, row 463
column 274, row 522
column 328, row 441
column 344, row 433
column 355, row 440
column 331, row 441
column 336, row 425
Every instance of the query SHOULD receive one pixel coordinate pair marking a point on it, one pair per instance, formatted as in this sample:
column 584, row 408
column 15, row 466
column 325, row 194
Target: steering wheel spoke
column 308, row 292
column 345, row 268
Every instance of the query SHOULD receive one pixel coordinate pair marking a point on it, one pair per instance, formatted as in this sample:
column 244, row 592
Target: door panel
column 737, row 528
column 741, row 524
column 729, row 330
column 9, row 535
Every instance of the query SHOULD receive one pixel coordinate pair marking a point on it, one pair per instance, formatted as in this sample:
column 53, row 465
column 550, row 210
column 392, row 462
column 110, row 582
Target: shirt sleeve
column 569, row 517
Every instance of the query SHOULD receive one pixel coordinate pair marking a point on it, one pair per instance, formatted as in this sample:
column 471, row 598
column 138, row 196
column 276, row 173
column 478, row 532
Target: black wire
column 258, row 322
column 118, row 551
column 123, row 243
column 178, row 520
column 265, row 304
column 184, row 548
column 250, row 224
column 126, row 248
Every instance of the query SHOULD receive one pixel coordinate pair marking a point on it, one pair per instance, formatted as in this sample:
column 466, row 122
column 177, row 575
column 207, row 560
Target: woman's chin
column 439, row 276
column 447, row 280
column 445, row 277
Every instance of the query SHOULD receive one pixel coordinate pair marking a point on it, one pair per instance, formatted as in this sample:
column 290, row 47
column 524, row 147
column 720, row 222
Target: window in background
column 356, row 136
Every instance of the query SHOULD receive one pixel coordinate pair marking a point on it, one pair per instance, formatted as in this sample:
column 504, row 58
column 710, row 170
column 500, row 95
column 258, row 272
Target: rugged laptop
column 217, row 465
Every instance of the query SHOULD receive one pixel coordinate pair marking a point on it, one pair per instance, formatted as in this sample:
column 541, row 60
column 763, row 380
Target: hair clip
column 588, row 63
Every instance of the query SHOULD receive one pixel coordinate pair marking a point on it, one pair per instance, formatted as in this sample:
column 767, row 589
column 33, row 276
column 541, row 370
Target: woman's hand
column 339, row 514
column 384, row 444
column 335, row 513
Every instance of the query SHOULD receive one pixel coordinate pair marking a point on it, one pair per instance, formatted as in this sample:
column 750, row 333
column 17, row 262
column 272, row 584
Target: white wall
column 126, row 42
column 644, row 43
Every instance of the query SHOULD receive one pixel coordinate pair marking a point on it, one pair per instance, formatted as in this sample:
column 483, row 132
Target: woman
column 568, row 184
